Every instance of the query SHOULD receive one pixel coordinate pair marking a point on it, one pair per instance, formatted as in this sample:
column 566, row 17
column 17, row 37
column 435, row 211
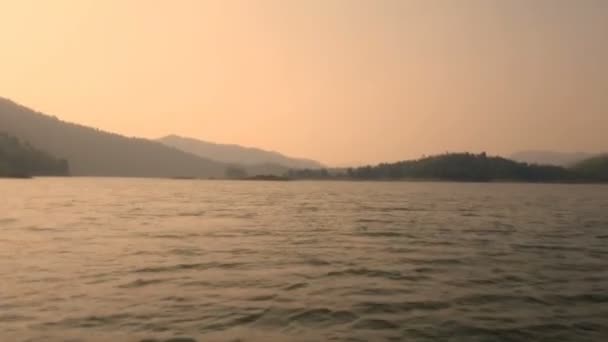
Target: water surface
column 87, row 259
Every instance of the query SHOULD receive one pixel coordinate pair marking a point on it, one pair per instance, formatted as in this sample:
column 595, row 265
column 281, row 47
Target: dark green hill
column 595, row 168
column 454, row 167
column 92, row 152
column 19, row 159
column 466, row 167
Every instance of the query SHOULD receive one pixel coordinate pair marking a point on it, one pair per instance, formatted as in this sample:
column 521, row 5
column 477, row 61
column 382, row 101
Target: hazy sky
column 335, row 80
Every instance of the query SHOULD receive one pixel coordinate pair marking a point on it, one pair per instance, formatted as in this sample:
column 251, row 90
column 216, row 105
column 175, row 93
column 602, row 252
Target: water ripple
column 162, row 261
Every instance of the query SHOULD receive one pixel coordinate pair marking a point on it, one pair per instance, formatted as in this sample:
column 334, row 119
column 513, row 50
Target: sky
column 340, row 81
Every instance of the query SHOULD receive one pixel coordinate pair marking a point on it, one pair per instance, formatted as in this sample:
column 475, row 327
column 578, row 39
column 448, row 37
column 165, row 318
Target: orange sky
column 340, row 81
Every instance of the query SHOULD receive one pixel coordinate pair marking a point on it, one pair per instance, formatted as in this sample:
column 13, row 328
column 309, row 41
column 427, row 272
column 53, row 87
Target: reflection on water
column 132, row 260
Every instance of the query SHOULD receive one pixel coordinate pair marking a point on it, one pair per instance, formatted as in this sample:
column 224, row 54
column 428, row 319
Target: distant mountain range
column 92, row 152
column 38, row 144
column 236, row 154
column 550, row 157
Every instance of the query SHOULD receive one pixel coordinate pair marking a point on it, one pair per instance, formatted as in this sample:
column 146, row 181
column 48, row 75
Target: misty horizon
column 334, row 81
column 534, row 156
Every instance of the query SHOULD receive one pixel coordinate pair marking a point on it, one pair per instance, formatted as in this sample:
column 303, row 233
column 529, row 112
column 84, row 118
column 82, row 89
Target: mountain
column 19, row 159
column 237, row 154
column 550, row 157
column 91, row 152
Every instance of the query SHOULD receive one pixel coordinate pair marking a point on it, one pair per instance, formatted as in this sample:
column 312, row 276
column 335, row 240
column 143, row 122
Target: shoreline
column 286, row 179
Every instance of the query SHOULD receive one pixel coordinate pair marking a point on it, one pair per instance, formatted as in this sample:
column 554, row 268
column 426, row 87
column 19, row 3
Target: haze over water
column 129, row 259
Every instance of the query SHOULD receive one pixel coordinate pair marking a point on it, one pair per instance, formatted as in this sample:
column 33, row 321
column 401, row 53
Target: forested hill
column 465, row 167
column 91, row 152
column 19, row 159
column 594, row 168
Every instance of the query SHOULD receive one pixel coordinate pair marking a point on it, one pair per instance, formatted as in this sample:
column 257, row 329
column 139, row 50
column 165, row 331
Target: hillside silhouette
column 92, row 152
column 236, row 154
column 33, row 143
column 466, row 167
column 19, row 159
column 594, row 168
